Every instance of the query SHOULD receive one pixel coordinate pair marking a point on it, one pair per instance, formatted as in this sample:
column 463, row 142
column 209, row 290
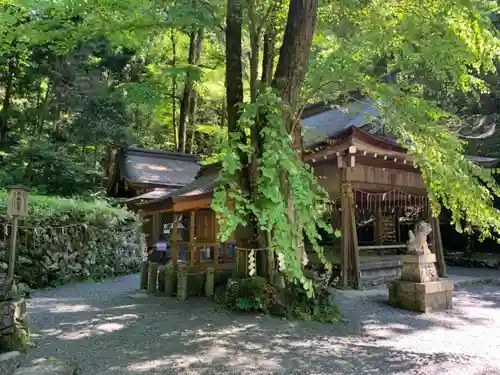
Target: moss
column 66, row 240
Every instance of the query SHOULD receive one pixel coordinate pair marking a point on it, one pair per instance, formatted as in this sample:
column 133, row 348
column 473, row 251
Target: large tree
column 357, row 45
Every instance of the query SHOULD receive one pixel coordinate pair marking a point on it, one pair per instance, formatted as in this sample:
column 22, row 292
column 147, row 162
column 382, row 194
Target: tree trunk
column 5, row 114
column 174, row 85
column 294, row 52
column 192, row 121
column 288, row 80
column 234, row 69
column 268, row 56
column 187, row 108
column 244, row 236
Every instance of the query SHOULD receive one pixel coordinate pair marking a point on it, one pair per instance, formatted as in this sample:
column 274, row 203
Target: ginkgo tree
column 355, row 46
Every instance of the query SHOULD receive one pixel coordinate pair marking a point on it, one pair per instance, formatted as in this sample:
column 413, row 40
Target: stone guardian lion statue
column 417, row 242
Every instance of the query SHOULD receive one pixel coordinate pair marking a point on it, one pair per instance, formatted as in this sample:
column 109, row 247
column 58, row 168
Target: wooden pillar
column 345, row 238
column 182, row 277
column 336, row 220
column 144, row 274
column 153, row 277
column 174, row 239
column 170, row 280
column 156, row 229
column 354, row 248
column 161, row 280
column 209, row 282
column 397, row 224
column 225, row 252
column 192, row 240
column 379, row 225
column 215, row 258
column 437, row 247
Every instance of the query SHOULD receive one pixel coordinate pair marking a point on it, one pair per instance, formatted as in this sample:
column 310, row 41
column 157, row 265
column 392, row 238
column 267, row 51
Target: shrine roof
column 155, row 168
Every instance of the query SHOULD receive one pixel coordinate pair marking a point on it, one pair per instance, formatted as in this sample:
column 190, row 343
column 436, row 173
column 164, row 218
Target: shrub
column 255, row 294
column 64, row 240
column 250, row 294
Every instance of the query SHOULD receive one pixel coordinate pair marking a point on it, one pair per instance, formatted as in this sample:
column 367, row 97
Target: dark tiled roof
column 203, row 184
column 483, row 161
column 157, row 167
column 156, row 193
column 320, row 121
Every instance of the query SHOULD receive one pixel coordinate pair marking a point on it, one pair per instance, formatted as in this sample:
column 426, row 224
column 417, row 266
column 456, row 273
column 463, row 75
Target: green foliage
column 283, row 180
column 255, row 294
column 439, row 49
column 64, row 240
column 85, row 79
column 250, row 294
column 51, row 171
column 321, row 308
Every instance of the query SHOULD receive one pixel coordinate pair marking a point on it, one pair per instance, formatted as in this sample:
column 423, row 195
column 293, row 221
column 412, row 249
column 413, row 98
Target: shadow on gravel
column 157, row 335
column 374, row 318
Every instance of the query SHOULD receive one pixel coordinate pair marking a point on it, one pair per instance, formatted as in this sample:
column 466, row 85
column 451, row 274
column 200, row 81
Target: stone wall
column 461, row 260
column 14, row 331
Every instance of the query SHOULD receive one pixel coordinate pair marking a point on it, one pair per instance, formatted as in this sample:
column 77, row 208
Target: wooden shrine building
column 186, row 224
column 377, row 195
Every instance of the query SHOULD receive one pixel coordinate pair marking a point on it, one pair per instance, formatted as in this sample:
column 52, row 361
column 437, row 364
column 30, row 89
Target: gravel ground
column 111, row 329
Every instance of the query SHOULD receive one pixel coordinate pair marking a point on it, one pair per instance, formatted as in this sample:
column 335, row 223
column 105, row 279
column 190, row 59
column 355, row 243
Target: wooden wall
column 330, row 178
column 373, row 176
column 206, row 226
column 367, row 178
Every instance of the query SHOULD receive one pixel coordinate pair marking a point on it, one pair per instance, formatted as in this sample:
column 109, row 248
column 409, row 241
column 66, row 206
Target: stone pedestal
column 420, row 288
column 14, row 331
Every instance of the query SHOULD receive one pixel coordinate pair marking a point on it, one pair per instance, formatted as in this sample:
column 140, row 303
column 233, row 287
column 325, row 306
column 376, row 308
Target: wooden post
column 356, row 266
column 397, row 225
column 155, row 232
column 215, row 258
column 182, row 282
column 345, row 238
column 169, row 280
column 209, row 282
column 13, row 248
column 144, row 274
column 192, row 244
column 173, row 238
column 161, row 280
column 225, row 255
column 153, row 277
column 437, row 245
column 379, row 225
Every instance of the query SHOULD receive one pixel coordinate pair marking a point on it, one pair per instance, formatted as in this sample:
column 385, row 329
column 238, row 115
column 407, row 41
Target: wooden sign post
column 17, row 207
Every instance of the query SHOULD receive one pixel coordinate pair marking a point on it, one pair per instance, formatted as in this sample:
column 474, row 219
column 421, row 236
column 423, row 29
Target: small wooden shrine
column 185, row 227
column 378, row 195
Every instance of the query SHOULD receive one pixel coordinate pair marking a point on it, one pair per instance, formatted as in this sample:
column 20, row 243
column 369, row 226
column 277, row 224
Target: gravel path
column 110, row 329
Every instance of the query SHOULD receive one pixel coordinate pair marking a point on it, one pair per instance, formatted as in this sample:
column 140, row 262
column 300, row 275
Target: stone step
column 48, row 367
column 10, row 361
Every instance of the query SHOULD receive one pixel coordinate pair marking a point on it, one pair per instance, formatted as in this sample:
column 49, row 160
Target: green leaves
column 436, row 46
column 284, row 186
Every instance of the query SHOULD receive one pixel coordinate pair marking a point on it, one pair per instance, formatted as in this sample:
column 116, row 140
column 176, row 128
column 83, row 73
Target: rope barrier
column 390, row 192
column 251, row 249
column 87, row 227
